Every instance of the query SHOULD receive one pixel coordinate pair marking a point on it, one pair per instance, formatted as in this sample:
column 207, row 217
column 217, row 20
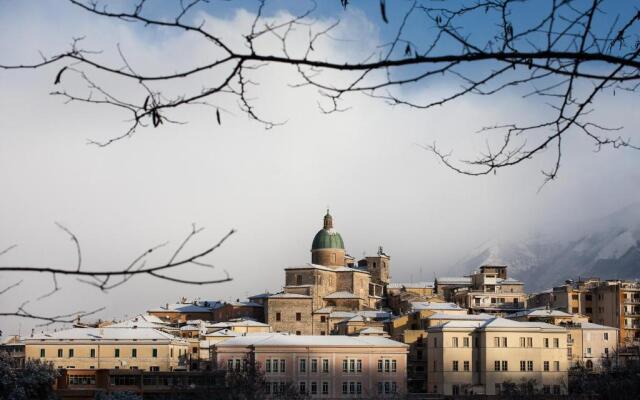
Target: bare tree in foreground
column 562, row 53
column 107, row 279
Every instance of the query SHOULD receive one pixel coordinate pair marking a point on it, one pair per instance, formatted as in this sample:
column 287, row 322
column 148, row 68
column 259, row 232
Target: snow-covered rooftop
column 454, row 280
column 106, row 333
column 426, row 305
column 243, row 322
column 412, row 285
column 539, row 312
column 461, row 317
column 276, row 339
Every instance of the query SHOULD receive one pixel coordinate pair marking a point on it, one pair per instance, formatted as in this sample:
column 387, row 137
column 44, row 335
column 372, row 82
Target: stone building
column 332, row 282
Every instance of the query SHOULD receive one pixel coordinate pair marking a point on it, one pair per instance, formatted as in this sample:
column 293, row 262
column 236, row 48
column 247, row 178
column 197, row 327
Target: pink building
column 324, row 367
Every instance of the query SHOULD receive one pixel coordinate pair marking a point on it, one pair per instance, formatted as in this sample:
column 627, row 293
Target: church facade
column 315, row 294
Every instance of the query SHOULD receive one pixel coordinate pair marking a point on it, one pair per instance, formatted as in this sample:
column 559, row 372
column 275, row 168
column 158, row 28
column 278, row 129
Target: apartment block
column 481, row 357
column 110, row 348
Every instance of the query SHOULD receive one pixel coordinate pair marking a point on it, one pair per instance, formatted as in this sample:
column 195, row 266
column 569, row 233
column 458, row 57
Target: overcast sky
column 273, row 186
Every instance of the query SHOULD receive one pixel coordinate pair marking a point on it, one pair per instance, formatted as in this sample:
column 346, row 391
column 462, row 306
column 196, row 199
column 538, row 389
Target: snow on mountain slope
column 606, row 247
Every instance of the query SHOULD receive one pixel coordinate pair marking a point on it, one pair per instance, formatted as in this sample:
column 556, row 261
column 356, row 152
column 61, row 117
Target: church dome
column 327, row 238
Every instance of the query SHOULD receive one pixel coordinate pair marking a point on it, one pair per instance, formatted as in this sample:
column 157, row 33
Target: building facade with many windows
column 483, row 357
column 109, row 348
column 321, row 366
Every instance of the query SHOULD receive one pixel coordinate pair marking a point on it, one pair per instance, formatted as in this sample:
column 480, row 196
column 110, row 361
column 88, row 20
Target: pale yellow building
column 480, row 357
column 591, row 345
column 110, row 348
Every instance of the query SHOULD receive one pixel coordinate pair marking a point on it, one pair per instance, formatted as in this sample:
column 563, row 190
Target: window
column 588, row 350
column 345, row 387
column 529, row 365
column 498, row 388
column 455, row 389
column 358, row 388
column 455, row 365
column 229, row 365
column 556, row 365
column 274, row 366
column 529, row 342
column 267, row 366
column 314, row 365
column 419, row 354
column 505, row 366
column 323, row 318
column 283, row 366
column 303, row 365
column 496, row 366
column 134, row 353
column 322, row 333
column 359, row 366
column 60, row 353
column 42, row 353
column 465, row 366
column 454, row 342
column 522, row 342
column 523, row 365
column 546, row 389
column 345, row 366
column 556, row 342
column 379, row 365
column 394, row 366
column 298, row 316
column 278, row 316
column 314, row 388
column 325, row 387
column 605, row 336
column 545, row 342
column 556, row 389
column 496, row 342
column 352, row 365
column 298, row 333
column 303, row 387
column 435, row 342
column 325, row 366
column 194, row 350
column 504, row 342
column 465, row 342
column 171, row 352
column 387, row 365
column 92, row 353
column 70, row 353
column 117, row 353
column 298, row 279
column 154, row 353
column 546, row 366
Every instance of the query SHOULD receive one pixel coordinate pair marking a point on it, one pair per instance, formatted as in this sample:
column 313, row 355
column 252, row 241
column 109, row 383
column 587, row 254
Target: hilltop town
column 341, row 327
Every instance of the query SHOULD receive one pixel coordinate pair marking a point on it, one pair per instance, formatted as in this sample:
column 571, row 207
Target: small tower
column 378, row 266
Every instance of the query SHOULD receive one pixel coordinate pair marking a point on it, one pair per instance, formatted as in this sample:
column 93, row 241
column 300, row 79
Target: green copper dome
column 327, row 238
